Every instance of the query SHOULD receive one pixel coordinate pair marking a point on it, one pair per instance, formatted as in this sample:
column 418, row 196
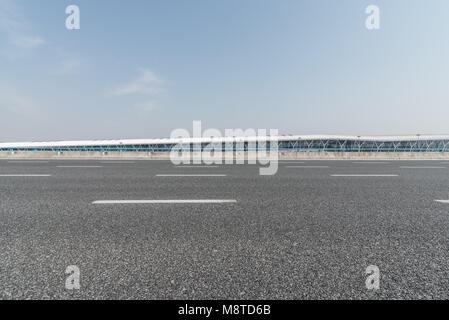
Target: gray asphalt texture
column 300, row 234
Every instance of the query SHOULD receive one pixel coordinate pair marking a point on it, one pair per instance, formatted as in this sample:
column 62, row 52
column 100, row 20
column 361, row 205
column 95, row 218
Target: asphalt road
column 308, row 232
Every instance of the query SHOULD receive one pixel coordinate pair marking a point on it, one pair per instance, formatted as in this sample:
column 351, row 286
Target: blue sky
column 141, row 68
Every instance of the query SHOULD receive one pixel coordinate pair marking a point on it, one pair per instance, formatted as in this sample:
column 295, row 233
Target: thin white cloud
column 147, row 84
column 27, row 42
column 18, row 40
column 147, row 106
column 68, row 67
column 9, row 17
column 13, row 101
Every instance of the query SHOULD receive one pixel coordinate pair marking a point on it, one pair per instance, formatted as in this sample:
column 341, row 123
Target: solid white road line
column 190, row 175
column 364, row 175
column 409, row 167
column 25, row 175
column 307, row 167
column 442, row 201
column 79, row 167
column 164, row 201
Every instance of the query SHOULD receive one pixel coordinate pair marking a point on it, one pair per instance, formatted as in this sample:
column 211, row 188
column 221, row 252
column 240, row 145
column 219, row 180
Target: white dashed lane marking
column 370, row 162
column 29, row 161
column 364, row 175
column 79, row 166
column 196, row 166
column 307, row 167
column 410, row 167
column 117, row 162
column 288, row 162
column 190, row 175
column 25, row 175
column 191, row 201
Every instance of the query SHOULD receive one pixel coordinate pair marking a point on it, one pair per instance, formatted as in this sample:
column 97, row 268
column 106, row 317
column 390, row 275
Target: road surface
column 152, row 230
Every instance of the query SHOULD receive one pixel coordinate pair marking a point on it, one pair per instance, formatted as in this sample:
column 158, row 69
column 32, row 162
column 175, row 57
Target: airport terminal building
column 297, row 143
